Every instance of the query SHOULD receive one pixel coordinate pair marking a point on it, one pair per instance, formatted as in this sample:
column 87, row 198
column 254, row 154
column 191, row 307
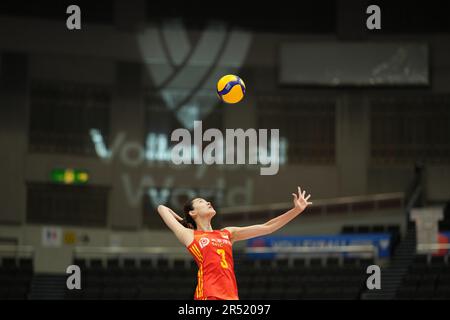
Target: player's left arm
column 257, row 230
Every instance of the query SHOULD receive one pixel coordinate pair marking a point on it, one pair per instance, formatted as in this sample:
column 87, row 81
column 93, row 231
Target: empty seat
column 110, row 280
column 128, row 293
column 378, row 229
column 187, row 293
column 348, row 229
column 298, row 262
column 332, row 293
column 3, row 292
column 363, row 229
column 110, row 293
column 276, row 280
column 428, row 279
column 92, row 280
column 259, row 272
column 418, row 269
column 246, row 262
column 240, row 270
column 424, row 292
column 129, row 263
column 258, row 292
column 294, row 292
column 394, row 229
column 112, row 263
column 442, row 292
column 259, row 281
column 244, row 282
column 179, row 264
column 420, row 259
column 275, row 293
column 74, row 294
column 282, row 263
column 96, row 264
column 444, row 279
column 146, row 264
column 244, row 292
column 315, row 262
column 332, row 261
column 314, row 292
column 411, row 279
column 265, row 263
column 92, row 293
column 437, row 260
column 18, row 293
column 350, row 262
column 435, row 269
column 26, row 264
column 406, row 292
column 350, row 293
column 147, row 293
column 9, row 263
column 162, row 263
column 23, row 278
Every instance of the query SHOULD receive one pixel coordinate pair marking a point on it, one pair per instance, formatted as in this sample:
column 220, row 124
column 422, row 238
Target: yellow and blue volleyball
column 230, row 89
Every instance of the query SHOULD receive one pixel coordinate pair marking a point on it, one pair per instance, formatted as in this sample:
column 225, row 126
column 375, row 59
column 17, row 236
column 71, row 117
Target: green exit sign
column 69, row 176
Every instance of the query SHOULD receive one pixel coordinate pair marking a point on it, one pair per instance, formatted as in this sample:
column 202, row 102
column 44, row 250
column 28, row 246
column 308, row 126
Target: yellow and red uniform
column 212, row 250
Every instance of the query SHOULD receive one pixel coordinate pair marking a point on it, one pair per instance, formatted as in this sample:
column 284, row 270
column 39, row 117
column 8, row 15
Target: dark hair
column 188, row 221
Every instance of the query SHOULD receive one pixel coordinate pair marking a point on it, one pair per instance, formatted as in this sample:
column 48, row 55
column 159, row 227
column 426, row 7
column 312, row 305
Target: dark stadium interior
column 99, row 105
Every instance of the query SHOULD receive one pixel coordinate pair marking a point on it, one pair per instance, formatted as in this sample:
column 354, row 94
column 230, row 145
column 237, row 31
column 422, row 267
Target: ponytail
column 188, row 221
column 187, row 224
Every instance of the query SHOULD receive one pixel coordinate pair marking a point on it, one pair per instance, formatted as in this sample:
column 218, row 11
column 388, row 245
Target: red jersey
column 212, row 250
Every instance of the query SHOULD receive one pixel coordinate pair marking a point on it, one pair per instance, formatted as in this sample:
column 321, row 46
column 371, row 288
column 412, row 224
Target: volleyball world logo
column 185, row 69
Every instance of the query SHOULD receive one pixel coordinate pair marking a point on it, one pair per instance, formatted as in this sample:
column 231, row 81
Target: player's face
column 203, row 208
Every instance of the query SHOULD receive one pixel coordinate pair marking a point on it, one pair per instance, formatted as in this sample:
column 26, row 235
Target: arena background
column 86, row 118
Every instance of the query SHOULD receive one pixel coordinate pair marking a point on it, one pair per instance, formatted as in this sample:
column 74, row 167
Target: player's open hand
column 300, row 201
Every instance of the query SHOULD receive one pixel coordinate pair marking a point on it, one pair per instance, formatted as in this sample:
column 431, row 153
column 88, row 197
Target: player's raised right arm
column 185, row 235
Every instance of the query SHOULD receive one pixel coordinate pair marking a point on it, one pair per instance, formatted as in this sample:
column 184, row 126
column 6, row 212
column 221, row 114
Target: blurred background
column 86, row 117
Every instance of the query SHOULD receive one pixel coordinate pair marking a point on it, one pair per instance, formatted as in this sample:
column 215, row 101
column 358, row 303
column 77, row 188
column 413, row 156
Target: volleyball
column 230, row 89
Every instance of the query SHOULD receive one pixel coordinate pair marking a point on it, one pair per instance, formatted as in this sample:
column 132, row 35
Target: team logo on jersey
column 203, row 242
